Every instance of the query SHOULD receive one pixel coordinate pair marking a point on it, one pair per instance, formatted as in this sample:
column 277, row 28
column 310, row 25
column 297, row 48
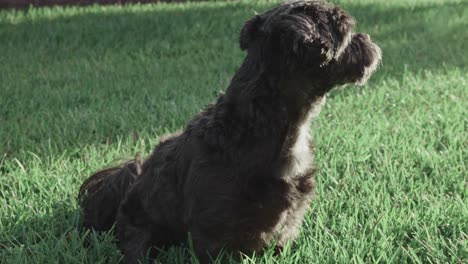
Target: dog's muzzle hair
column 240, row 176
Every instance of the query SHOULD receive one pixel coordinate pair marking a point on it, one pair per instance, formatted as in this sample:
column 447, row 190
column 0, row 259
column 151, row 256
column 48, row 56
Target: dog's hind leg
column 139, row 234
column 133, row 229
column 142, row 243
column 206, row 248
column 136, row 246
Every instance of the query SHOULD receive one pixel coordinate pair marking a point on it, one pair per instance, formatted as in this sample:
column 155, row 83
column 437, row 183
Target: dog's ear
column 249, row 31
column 325, row 38
column 316, row 35
column 343, row 25
column 300, row 38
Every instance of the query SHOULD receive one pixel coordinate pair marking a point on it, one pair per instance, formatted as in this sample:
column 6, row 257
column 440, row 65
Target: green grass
column 81, row 88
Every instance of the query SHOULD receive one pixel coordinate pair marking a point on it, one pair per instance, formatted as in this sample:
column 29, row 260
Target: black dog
column 240, row 176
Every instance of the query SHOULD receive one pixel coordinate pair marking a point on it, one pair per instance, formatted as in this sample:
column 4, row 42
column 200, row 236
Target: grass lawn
column 85, row 87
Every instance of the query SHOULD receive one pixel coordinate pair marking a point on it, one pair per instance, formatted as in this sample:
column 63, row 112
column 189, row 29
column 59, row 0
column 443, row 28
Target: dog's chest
column 300, row 153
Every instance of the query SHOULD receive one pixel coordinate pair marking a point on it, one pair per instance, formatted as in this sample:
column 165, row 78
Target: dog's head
column 315, row 37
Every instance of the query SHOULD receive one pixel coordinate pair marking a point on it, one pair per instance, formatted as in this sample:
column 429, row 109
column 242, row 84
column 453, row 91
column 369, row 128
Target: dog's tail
column 100, row 195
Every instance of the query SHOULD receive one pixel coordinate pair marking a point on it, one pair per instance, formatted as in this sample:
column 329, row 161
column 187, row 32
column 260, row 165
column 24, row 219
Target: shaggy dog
column 240, row 176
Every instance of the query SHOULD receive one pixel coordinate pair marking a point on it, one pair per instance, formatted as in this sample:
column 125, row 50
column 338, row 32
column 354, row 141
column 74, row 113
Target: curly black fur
column 240, row 176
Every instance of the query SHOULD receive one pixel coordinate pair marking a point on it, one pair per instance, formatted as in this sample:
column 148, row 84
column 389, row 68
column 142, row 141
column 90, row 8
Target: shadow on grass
column 54, row 237
column 80, row 61
column 57, row 237
column 421, row 30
